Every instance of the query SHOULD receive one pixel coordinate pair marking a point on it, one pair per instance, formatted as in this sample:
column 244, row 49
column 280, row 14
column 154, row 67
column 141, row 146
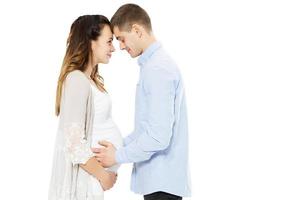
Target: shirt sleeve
column 156, row 132
column 76, row 92
column 127, row 140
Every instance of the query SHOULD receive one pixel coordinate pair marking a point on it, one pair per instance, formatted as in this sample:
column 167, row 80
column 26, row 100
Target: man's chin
column 133, row 55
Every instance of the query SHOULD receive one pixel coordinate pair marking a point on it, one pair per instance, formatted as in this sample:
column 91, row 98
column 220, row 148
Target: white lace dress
column 103, row 128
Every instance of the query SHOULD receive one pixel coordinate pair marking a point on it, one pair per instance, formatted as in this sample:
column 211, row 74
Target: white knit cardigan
column 72, row 146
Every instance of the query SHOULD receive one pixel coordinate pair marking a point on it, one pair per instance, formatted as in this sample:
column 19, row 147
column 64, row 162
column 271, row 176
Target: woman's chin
column 105, row 61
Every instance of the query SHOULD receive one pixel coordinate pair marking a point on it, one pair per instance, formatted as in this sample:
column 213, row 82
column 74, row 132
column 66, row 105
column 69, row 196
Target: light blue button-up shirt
column 158, row 146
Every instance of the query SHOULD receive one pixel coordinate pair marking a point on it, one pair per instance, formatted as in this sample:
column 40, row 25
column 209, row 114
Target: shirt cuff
column 126, row 140
column 120, row 156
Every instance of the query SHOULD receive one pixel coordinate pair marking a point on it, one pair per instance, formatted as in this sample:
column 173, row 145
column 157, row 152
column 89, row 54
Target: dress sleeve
column 76, row 93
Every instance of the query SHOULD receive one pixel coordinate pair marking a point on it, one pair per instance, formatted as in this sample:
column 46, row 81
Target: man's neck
column 148, row 41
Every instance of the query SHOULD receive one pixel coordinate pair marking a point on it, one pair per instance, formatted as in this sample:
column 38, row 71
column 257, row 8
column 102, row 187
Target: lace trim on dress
column 77, row 147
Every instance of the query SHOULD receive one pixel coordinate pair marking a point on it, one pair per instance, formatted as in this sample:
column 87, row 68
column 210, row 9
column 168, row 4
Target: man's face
column 129, row 41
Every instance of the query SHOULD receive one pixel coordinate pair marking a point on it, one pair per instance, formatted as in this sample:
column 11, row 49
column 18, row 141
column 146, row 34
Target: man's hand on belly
column 106, row 154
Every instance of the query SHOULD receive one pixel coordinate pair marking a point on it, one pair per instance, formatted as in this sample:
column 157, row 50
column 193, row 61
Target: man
column 158, row 146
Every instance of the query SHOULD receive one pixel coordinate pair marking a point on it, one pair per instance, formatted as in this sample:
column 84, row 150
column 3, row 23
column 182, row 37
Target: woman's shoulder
column 77, row 79
column 77, row 76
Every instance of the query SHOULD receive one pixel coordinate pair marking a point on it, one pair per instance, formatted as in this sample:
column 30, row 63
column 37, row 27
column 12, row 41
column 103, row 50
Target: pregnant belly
column 109, row 134
column 112, row 135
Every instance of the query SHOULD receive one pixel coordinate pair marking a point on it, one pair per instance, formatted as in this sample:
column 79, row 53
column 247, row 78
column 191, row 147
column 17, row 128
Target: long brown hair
column 78, row 51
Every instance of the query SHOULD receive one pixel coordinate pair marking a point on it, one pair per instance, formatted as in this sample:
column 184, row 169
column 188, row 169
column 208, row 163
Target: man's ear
column 137, row 29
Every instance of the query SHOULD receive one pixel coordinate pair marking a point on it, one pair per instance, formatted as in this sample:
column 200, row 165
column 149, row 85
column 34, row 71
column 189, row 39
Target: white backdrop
column 242, row 63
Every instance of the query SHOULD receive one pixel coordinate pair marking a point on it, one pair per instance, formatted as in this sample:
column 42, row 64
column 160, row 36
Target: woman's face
column 102, row 48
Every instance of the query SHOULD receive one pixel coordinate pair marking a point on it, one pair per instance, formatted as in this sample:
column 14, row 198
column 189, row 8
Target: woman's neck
column 89, row 69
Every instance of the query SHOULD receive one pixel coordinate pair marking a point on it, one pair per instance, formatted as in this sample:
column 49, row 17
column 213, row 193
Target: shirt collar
column 148, row 53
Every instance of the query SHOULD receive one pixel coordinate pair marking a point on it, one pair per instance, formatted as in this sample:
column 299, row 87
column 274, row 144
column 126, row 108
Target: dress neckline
column 94, row 87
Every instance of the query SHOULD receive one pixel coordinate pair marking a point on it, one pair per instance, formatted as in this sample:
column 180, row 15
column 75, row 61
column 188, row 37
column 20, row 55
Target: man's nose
column 122, row 46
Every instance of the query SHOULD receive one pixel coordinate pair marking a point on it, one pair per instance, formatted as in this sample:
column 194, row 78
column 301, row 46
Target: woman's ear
column 93, row 48
column 93, row 45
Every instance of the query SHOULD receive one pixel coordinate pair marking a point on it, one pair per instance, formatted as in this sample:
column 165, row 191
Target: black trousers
column 161, row 196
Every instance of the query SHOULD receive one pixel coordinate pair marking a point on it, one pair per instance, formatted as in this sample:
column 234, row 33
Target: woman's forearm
column 93, row 167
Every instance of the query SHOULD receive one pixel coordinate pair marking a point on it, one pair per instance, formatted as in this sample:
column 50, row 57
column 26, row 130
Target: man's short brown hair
column 130, row 14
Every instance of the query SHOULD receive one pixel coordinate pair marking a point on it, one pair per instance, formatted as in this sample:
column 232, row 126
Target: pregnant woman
column 84, row 110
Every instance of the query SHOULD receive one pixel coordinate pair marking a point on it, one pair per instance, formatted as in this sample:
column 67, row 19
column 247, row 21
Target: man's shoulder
column 162, row 62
